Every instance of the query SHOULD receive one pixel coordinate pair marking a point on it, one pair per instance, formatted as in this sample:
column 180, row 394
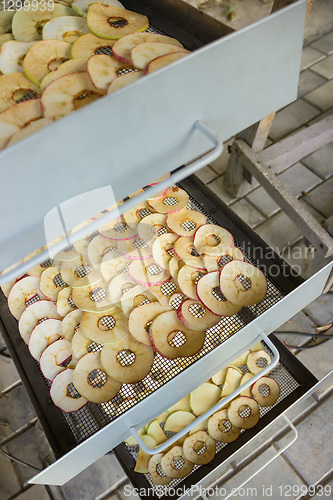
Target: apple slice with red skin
column 134, row 249
column 118, row 285
column 161, row 61
column 175, row 265
column 135, row 297
column 254, row 357
column 234, row 412
column 250, row 292
column 117, row 229
column 43, row 335
column 216, row 262
column 209, row 293
column 187, row 279
column 185, row 222
column 193, row 443
column 141, row 317
column 184, row 249
column 67, row 67
column 123, row 80
column 29, row 129
column 147, row 273
column 60, row 392
column 212, row 239
column 32, row 315
column 165, row 291
column 102, row 19
column 93, row 298
column 53, row 357
column 122, row 48
column 98, row 247
column 171, row 461
column 102, row 69
column 143, row 53
column 195, row 316
column 220, row 428
column 21, row 292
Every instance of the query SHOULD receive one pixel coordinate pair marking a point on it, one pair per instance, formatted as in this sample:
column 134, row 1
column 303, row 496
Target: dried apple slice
column 104, row 327
column 147, row 273
column 23, row 291
column 187, row 279
column 184, row 249
column 151, row 227
column 135, row 297
column 182, row 405
column 117, row 229
column 81, row 345
column 212, row 239
column 63, row 393
column 209, row 293
column 27, row 24
column 91, row 380
column 242, row 283
column 67, row 254
column 195, row 316
column 191, row 445
column 68, row 93
column 81, row 6
column 6, row 17
column 7, row 37
column 51, row 282
column 89, row 45
column 163, row 249
column 112, row 264
column 174, row 463
column 13, row 87
column 266, row 391
column 216, row 262
column 43, row 335
column 134, row 249
column 143, row 53
column 54, row 358
column 204, row 397
column 161, row 61
column 33, row 314
column 136, row 214
column 65, row 28
column 127, row 360
column 65, row 302
column 102, row 69
column 232, row 380
column 78, row 273
column 246, row 392
column 155, row 431
column 140, row 319
column 172, row 339
column 249, row 407
column 165, row 291
column 177, row 420
column 156, row 475
column 6, row 287
column 257, row 360
column 220, row 428
column 185, row 222
column 43, row 57
column 71, row 66
column 70, row 324
column 219, row 377
column 98, row 248
column 123, row 80
column 120, row 284
column 93, row 298
column 17, row 116
column 141, row 465
column 12, row 55
column 103, row 21
column 175, row 265
column 122, row 48
column 173, row 199
column 29, row 129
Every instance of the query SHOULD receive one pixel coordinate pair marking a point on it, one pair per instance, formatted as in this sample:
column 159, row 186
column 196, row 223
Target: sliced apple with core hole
column 53, row 359
column 13, row 87
column 216, row 262
column 161, row 61
column 175, row 264
column 143, row 458
column 79, row 274
column 70, row 323
column 184, row 249
column 212, row 239
column 33, row 314
column 81, row 6
column 68, row 93
column 147, row 272
column 163, row 249
column 71, row 66
column 27, row 24
column 205, row 453
column 156, row 472
column 151, row 227
column 112, row 264
column 93, row 298
column 177, row 420
column 43, row 335
column 118, row 285
column 29, row 129
column 21, row 292
column 134, row 249
column 165, row 291
column 64, row 395
column 242, row 283
column 182, row 405
column 209, row 293
column 102, row 69
column 195, row 316
column 143, row 53
column 232, row 380
column 174, row 464
column 105, row 327
column 172, row 199
column 98, row 248
column 243, row 412
column 103, row 21
column 12, row 55
column 89, row 45
column 123, row 46
column 65, row 302
column 81, row 344
column 204, row 397
column 220, row 428
column 65, row 28
column 257, row 360
column 266, row 391
column 43, row 57
column 187, row 278
column 185, row 222
column 140, row 319
column 51, row 282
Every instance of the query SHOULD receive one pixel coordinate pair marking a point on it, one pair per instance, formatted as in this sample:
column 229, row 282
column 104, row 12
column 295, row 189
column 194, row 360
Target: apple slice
column 173, row 199
column 98, row 248
column 184, row 249
column 242, row 283
column 246, row 406
column 103, row 21
column 81, row 6
column 182, row 405
column 151, row 227
column 140, row 319
column 32, row 315
column 91, row 380
column 266, row 391
column 43, row 335
column 257, row 360
column 105, row 327
column 147, row 273
column 172, row 339
column 93, row 298
column 70, row 324
column 89, row 45
column 163, row 249
column 232, row 380
column 67, row 254
column 161, row 61
column 257, row 347
column 43, row 57
column 54, row 358
column 185, row 222
column 187, row 279
column 209, row 293
column 112, row 265
column 220, row 428
column 79, row 274
column 219, row 377
column 246, row 392
column 198, row 441
column 17, row 116
column 13, row 87
column 155, row 431
column 165, row 291
column 177, row 420
column 216, row 262
column 127, row 360
column 156, row 472
column 21, row 293
column 123, row 80
column 122, row 48
column 102, row 69
column 135, row 215
column 204, row 397
column 6, row 17
column 143, row 458
column 51, row 282
column 119, row 284
column 143, row 53
column 174, row 464
column 65, row 28
column 134, row 249
column 68, row 93
column 175, row 265
column 29, row 129
column 212, row 239
column 241, row 360
column 81, row 344
column 195, row 316
column 63, row 393
column 27, row 24
column 6, row 287
column 117, row 229
column 71, row 66
column 12, row 55
column 65, row 302
column 135, row 297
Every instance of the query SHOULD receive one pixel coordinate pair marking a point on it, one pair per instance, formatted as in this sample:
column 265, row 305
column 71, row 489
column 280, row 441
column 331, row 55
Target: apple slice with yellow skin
column 253, row 359
column 232, row 380
column 12, row 55
column 43, row 57
column 29, row 129
column 103, row 21
column 123, row 46
column 7, row 37
column 204, row 397
column 13, row 87
column 270, row 393
column 27, row 24
column 65, row 28
column 199, row 427
column 143, row 53
column 246, row 392
column 161, row 61
column 93, row 298
column 6, row 17
column 141, row 465
column 175, row 265
column 102, row 69
column 155, row 431
column 17, row 116
column 219, row 427
column 81, row 6
column 147, row 273
column 90, row 45
column 79, row 274
column 235, row 409
column 182, row 405
column 256, row 347
column 68, row 93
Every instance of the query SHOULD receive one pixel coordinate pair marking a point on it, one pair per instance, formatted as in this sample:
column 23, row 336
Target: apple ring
column 237, row 406
column 209, row 293
column 104, row 327
column 100, row 17
column 171, row 461
column 13, row 87
column 185, row 222
column 51, row 282
column 135, row 215
column 163, row 292
column 200, row 457
column 87, row 46
column 220, row 428
column 151, row 227
column 242, row 283
column 212, row 239
column 134, row 249
column 135, row 297
column 270, row 391
column 187, row 279
column 81, row 344
column 163, row 249
column 195, row 316
column 78, row 273
column 147, row 273
column 254, row 357
column 184, row 249
column 118, row 285
column 113, row 264
column 23, row 291
column 43, row 335
column 141, row 317
column 98, row 248
column 93, row 298
column 65, row 302
column 63, row 393
column 91, row 380
column 157, row 478
column 172, row 339
column 127, row 360
column 54, row 356
column 70, row 324
column 175, row 266
column 33, row 314
column 173, row 199
column 216, row 262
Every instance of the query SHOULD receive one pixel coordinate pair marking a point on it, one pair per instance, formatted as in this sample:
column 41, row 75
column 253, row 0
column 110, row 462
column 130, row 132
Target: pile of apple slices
column 70, row 55
column 198, row 447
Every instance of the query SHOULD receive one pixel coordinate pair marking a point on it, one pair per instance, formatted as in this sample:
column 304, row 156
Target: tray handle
column 162, row 447
column 176, row 176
